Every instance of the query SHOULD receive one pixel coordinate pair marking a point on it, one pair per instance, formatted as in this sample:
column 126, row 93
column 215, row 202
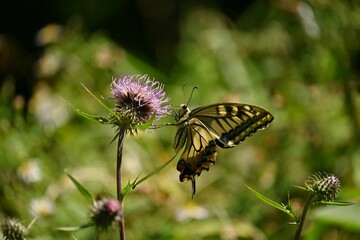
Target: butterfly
column 203, row 129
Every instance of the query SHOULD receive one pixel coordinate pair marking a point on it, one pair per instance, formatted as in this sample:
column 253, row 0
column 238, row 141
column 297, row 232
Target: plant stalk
column 303, row 215
column 122, row 131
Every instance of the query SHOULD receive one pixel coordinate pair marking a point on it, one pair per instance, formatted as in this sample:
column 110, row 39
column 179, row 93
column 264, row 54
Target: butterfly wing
column 199, row 152
column 204, row 128
column 231, row 123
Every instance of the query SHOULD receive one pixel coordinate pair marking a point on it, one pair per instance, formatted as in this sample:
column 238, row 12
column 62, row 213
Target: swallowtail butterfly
column 202, row 130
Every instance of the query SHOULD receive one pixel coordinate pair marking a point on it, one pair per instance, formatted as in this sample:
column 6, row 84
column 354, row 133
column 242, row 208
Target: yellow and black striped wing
column 204, row 128
column 231, row 123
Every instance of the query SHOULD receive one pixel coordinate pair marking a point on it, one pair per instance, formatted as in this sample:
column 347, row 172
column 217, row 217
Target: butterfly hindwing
column 203, row 129
column 199, row 153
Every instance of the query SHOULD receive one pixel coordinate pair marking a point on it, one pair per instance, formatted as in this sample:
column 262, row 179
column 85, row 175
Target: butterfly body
column 203, row 129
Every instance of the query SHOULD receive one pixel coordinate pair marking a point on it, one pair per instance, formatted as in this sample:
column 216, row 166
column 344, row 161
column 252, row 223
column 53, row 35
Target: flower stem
column 97, row 234
column 303, row 215
column 119, row 182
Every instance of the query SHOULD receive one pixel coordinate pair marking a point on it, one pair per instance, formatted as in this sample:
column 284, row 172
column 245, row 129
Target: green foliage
column 81, row 188
column 280, row 206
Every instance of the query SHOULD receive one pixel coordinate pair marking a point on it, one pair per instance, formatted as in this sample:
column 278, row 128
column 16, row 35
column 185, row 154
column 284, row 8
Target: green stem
column 119, row 182
column 303, row 215
column 97, row 234
column 137, row 182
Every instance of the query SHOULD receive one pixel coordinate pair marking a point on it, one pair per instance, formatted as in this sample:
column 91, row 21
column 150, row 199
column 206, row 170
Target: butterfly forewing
column 232, row 123
column 204, row 128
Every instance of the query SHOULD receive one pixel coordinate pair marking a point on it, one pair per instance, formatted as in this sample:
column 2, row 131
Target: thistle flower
column 325, row 186
column 105, row 212
column 138, row 99
column 13, row 229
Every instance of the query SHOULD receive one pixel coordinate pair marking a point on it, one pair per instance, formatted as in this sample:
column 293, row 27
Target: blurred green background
column 298, row 59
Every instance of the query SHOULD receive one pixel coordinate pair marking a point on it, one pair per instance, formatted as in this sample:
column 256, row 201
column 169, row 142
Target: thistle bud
column 105, row 212
column 325, row 186
column 13, row 229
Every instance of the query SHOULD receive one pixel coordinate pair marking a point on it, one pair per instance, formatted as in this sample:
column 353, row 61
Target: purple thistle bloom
column 138, row 99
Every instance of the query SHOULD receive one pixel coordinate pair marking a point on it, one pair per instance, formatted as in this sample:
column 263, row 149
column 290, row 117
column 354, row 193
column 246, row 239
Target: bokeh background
column 298, row 59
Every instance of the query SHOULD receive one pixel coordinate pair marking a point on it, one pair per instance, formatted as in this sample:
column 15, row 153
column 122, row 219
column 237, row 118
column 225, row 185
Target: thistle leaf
column 102, row 104
column 286, row 209
column 336, row 203
column 146, row 125
column 75, row 228
column 161, row 167
column 90, row 117
column 81, row 188
column 126, row 189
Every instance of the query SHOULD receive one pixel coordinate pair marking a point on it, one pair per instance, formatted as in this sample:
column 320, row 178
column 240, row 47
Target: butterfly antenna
column 193, row 187
column 192, row 92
